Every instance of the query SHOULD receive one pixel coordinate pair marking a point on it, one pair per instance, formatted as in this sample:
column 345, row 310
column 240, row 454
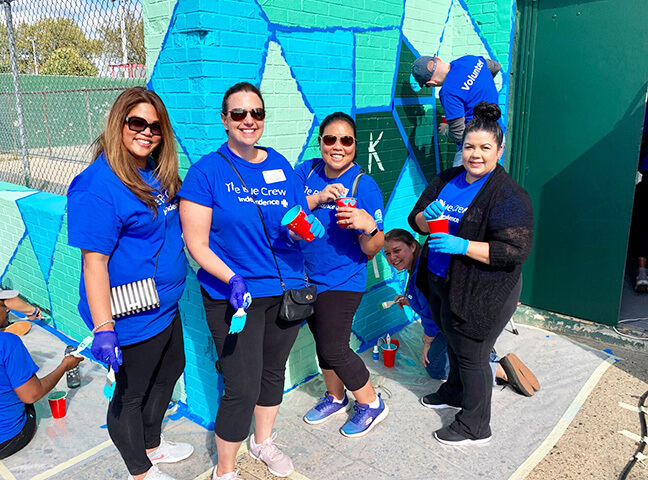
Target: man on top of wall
column 465, row 82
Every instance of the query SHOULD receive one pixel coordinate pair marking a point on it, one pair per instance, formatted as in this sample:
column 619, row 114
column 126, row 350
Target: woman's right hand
column 401, row 301
column 434, row 210
column 105, row 348
column 424, row 355
column 330, row 193
column 238, row 290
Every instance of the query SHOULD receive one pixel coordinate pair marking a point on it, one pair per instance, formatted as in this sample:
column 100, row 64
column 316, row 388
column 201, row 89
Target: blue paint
column 376, row 109
column 354, row 71
column 401, row 197
column 13, row 255
column 68, row 340
column 307, row 142
column 409, row 101
column 291, row 29
column 445, row 24
column 609, row 351
column 477, row 28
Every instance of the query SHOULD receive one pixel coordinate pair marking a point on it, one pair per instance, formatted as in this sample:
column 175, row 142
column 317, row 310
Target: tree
column 66, row 61
column 111, row 39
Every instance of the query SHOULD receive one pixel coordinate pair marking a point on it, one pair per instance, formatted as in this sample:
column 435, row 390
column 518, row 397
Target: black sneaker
column 447, row 436
column 434, row 402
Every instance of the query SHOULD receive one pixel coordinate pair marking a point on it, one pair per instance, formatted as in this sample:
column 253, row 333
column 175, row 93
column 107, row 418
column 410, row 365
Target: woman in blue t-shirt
column 472, row 275
column 123, row 215
column 222, row 225
column 337, row 264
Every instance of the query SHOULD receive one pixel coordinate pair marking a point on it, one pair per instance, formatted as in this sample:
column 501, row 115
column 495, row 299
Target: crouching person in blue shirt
column 123, row 215
column 20, row 388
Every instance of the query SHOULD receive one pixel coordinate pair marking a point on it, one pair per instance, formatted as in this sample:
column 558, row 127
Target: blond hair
column 122, row 162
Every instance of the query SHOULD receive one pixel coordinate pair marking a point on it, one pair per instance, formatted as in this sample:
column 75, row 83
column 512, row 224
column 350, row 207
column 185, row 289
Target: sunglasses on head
column 239, row 114
column 138, row 124
column 345, row 140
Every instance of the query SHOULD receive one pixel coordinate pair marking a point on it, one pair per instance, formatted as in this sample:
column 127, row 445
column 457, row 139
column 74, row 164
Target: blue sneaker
column 365, row 419
column 326, row 408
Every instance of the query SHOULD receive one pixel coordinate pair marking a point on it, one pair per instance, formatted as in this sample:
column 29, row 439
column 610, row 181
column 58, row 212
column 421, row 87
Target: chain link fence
column 62, row 64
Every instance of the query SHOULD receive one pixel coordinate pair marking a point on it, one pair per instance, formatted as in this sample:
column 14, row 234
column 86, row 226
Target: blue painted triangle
column 322, row 63
column 42, row 214
column 408, row 188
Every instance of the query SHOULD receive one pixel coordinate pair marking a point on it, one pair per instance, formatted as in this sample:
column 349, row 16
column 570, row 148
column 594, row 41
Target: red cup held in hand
column 297, row 221
column 57, row 404
column 389, row 352
column 438, row 225
column 346, row 202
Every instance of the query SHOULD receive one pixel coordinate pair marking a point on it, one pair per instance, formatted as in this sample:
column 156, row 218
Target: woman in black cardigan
column 473, row 279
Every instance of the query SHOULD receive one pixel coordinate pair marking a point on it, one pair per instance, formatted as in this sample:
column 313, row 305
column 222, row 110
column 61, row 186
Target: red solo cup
column 346, row 202
column 297, row 221
column 57, row 404
column 389, row 352
column 443, row 119
column 438, row 225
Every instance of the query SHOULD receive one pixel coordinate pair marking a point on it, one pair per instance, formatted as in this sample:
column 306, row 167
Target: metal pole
column 16, row 83
column 122, row 26
column 34, row 52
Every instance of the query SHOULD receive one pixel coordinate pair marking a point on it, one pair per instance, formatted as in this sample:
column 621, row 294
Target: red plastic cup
column 443, row 119
column 297, row 221
column 438, row 225
column 57, row 404
column 346, row 202
column 389, row 352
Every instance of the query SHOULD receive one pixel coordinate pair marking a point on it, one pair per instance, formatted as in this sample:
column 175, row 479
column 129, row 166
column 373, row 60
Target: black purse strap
column 249, row 192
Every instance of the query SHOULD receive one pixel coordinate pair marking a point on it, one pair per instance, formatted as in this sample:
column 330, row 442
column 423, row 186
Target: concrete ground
column 579, row 425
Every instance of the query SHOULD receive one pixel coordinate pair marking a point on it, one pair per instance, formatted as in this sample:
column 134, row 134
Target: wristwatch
column 372, row 233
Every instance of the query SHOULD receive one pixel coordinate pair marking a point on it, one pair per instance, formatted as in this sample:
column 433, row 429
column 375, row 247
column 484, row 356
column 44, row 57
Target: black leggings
column 21, row 440
column 331, row 327
column 470, row 380
column 253, row 362
column 145, row 384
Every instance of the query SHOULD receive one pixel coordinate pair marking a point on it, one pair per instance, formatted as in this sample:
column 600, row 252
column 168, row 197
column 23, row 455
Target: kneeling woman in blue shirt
column 123, row 215
column 337, row 264
column 225, row 235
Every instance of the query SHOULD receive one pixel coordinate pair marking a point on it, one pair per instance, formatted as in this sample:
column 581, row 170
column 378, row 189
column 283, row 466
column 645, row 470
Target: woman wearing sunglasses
column 225, row 235
column 337, row 264
column 123, row 215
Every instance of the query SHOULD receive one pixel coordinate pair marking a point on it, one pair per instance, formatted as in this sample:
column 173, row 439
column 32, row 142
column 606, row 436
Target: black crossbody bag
column 297, row 304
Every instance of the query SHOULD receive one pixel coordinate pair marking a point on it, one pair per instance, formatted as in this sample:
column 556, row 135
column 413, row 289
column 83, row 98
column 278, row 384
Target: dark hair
column 485, row 119
column 400, row 235
column 240, row 87
column 337, row 117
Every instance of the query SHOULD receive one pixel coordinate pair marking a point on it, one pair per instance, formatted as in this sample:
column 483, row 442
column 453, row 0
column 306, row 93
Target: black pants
column 253, row 362
column 470, row 380
column 21, row 440
column 639, row 225
column 145, row 384
column 331, row 327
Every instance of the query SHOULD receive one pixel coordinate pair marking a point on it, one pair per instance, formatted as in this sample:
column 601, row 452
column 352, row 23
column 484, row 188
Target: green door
column 577, row 103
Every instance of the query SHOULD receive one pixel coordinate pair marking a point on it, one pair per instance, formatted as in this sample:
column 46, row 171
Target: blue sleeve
column 19, row 365
column 197, row 188
column 453, row 106
column 302, row 170
column 370, row 199
column 297, row 187
column 420, row 305
column 92, row 222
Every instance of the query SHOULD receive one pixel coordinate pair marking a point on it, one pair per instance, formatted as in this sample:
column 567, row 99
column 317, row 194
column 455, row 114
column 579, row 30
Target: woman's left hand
column 355, row 218
column 424, row 355
column 446, row 243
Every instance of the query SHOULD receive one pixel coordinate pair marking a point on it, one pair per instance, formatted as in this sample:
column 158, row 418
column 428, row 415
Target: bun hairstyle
column 485, row 119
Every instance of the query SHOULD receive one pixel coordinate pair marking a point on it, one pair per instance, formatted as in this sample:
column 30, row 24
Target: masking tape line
column 633, row 408
column 5, row 473
column 633, row 436
column 73, row 461
column 544, row 448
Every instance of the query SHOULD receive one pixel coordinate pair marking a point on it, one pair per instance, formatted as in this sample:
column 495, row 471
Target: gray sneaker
column 227, row 476
column 155, row 473
column 279, row 464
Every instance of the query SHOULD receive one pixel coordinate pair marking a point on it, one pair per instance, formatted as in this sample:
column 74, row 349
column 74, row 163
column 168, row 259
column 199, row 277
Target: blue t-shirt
column 104, row 216
column 336, row 261
column 468, row 82
column 419, row 303
column 16, row 367
column 457, row 195
column 236, row 233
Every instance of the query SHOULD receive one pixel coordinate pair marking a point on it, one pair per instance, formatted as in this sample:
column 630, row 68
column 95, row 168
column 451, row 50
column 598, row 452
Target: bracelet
column 102, row 324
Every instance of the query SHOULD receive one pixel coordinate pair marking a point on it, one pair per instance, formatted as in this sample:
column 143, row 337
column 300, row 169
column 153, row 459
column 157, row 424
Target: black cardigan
column 500, row 214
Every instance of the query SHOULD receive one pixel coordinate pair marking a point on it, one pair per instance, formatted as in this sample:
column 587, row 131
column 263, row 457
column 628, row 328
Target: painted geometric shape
column 424, row 24
column 407, row 191
column 24, row 274
column 42, row 214
column 495, row 21
column 403, row 87
column 326, row 14
column 375, row 67
column 13, row 228
column 288, row 119
column 418, row 124
column 322, row 63
column 312, row 149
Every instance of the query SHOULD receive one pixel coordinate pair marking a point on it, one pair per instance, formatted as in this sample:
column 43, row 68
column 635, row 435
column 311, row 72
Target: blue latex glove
column 446, row 243
column 239, row 289
column 317, row 229
column 105, row 348
column 434, row 210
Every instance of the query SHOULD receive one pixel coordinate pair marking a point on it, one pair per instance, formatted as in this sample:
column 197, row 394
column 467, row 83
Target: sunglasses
column 239, row 114
column 138, row 124
column 329, row 140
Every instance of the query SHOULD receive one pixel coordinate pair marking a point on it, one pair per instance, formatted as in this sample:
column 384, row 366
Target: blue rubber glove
column 105, row 348
column 434, row 210
column 237, row 294
column 446, row 243
column 317, row 229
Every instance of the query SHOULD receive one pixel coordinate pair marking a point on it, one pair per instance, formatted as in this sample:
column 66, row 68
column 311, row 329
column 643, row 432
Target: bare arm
column 196, row 223
column 97, row 283
column 35, row 388
column 19, row 305
column 479, row 251
column 359, row 219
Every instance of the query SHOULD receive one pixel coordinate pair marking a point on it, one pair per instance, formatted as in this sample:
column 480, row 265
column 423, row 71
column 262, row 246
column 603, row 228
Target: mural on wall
column 308, row 62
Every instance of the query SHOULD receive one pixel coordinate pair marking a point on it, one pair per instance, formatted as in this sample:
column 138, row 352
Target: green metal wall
column 578, row 99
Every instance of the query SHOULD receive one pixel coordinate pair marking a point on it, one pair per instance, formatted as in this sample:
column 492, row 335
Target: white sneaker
column 155, row 473
column 227, row 476
column 279, row 464
column 170, row 452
